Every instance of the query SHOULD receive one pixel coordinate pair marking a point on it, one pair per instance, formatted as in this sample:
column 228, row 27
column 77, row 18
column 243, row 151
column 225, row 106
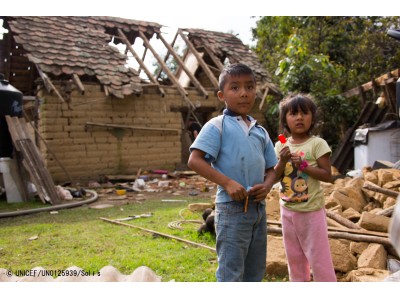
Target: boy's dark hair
column 234, row 70
column 295, row 102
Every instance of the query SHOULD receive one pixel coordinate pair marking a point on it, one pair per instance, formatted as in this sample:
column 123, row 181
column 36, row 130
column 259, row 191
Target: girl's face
column 299, row 122
column 239, row 94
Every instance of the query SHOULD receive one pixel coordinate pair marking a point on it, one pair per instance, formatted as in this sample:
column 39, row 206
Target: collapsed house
column 375, row 135
column 93, row 114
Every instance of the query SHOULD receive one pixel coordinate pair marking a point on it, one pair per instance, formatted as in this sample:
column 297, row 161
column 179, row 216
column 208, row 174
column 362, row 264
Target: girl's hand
column 296, row 159
column 284, row 154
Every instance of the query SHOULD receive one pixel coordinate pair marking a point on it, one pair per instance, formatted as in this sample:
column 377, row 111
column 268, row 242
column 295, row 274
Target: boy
column 242, row 161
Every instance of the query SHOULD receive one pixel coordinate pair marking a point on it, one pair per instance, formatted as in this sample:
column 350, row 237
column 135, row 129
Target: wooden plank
column 143, row 58
column 341, row 220
column 202, row 63
column 376, row 188
column 48, row 84
column 194, row 80
column 19, row 140
column 131, row 127
column 345, row 235
column 215, row 59
column 390, row 95
column 171, row 76
column 106, row 91
column 32, row 160
column 78, row 83
column 160, row 234
column 48, row 180
column 369, row 85
column 140, row 62
column 263, row 98
column 167, row 55
column 347, row 230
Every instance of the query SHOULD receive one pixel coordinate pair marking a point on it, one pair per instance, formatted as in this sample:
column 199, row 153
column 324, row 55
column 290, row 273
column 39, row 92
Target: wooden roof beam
column 141, row 63
column 194, row 80
column 171, row 76
column 263, row 98
column 202, row 63
column 369, row 85
column 143, row 58
column 168, row 52
column 215, row 59
column 390, row 97
column 78, row 83
column 48, row 84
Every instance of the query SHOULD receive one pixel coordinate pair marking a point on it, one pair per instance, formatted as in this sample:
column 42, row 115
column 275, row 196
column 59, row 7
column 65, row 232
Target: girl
column 303, row 163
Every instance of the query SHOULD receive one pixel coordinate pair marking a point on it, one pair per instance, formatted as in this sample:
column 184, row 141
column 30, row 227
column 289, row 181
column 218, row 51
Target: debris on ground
column 153, row 185
column 359, row 211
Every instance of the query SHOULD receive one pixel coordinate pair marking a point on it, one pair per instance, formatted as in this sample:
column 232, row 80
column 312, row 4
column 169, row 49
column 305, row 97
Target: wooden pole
column 376, row 188
column 347, row 230
column 123, row 37
column 130, row 127
column 78, row 83
column 194, row 80
column 167, row 55
column 160, row 234
column 345, row 222
column 171, row 76
column 346, row 236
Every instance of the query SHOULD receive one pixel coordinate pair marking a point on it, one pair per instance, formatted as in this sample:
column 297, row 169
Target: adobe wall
column 88, row 153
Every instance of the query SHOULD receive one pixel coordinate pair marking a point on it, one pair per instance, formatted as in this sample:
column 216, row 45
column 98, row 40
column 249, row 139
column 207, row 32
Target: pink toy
column 282, row 138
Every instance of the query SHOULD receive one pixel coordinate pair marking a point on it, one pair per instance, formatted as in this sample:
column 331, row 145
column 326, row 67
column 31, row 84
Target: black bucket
column 10, row 104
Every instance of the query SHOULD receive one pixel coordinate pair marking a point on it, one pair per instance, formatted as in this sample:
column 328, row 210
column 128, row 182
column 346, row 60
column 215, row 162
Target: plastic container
column 120, row 192
column 11, row 180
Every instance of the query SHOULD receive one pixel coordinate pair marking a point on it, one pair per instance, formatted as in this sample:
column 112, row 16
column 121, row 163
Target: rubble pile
column 358, row 214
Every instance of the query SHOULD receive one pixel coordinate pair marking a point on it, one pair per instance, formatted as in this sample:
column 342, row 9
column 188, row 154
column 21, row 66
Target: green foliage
column 326, row 56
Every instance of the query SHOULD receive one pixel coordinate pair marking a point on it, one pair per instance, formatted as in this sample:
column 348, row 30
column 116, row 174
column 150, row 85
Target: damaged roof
column 80, row 45
column 226, row 45
column 78, row 48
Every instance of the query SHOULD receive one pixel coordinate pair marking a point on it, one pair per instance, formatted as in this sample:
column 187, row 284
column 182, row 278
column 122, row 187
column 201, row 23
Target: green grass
column 77, row 237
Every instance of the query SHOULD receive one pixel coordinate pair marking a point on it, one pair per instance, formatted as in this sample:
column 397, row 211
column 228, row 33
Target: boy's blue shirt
column 242, row 153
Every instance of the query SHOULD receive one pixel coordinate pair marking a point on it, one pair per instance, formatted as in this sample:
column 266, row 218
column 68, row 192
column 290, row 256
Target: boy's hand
column 259, row 192
column 236, row 191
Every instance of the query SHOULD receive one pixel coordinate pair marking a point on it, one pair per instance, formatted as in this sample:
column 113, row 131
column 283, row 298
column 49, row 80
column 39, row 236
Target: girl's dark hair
column 234, row 70
column 293, row 103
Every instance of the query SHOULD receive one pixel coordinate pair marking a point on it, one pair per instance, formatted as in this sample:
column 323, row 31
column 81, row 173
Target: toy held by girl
column 303, row 163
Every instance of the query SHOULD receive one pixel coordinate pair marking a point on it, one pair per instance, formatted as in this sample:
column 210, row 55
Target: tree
column 326, row 56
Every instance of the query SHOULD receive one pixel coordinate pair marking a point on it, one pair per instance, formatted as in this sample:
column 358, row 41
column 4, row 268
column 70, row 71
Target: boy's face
column 239, row 94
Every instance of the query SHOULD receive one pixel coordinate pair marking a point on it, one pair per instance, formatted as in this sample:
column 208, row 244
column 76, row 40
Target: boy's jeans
column 241, row 241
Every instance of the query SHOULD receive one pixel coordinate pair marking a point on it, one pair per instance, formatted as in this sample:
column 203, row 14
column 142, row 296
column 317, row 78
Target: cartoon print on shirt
column 300, row 188
column 294, row 184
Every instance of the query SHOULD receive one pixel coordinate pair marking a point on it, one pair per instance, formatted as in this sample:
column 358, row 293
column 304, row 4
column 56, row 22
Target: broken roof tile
column 65, row 45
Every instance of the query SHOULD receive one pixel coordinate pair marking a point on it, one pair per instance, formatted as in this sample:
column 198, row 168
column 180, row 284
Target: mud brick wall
column 90, row 152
